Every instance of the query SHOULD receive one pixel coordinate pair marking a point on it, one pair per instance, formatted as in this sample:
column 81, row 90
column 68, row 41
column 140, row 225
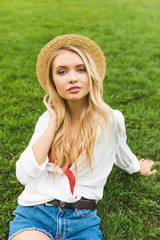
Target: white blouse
column 70, row 186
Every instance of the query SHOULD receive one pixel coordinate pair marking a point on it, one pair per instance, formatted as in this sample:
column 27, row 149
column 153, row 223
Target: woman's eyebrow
column 79, row 65
column 61, row 67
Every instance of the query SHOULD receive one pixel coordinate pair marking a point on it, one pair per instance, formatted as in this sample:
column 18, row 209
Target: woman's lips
column 74, row 89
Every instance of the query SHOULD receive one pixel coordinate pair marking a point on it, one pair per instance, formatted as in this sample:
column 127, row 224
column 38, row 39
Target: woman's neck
column 75, row 108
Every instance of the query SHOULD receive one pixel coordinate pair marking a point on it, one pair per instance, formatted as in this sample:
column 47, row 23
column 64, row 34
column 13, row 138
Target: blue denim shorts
column 57, row 222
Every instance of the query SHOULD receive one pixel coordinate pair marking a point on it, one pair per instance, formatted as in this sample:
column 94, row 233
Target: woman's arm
column 33, row 160
column 125, row 159
column 42, row 145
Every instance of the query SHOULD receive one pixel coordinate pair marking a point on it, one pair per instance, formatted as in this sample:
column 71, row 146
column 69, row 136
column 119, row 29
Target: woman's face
column 70, row 76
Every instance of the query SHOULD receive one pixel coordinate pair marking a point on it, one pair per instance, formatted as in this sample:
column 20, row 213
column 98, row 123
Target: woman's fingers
column 47, row 102
column 50, row 107
column 148, row 161
column 151, row 163
column 45, row 99
column 146, row 166
column 152, row 172
column 50, row 102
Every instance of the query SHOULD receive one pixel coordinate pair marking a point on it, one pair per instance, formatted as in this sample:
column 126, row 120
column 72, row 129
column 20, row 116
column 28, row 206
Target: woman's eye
column 82, row 70
column 61, row 72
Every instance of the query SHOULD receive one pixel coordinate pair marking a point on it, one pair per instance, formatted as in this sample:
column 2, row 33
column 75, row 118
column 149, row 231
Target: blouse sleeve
column 27, row 167
column 125, row 159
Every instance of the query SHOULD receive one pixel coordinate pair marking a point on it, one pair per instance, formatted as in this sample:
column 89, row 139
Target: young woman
column 74, row 147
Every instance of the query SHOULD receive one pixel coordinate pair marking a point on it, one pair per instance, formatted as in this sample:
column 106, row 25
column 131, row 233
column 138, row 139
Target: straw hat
column 69, row 39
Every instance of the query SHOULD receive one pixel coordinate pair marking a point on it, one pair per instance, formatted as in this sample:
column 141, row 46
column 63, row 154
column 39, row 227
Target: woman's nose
column 72, row 81
column 72, row 77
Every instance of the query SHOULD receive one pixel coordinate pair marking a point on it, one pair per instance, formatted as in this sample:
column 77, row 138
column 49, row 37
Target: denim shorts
column 57, row 222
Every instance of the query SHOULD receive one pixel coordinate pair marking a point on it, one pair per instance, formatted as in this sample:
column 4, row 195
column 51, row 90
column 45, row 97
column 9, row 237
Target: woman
column 74, row 147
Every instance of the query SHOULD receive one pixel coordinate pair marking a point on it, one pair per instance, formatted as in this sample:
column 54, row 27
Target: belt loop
column 62, row 204
column 48, row 204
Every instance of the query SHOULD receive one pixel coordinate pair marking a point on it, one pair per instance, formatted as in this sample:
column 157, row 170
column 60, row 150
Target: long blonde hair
column 95, row 113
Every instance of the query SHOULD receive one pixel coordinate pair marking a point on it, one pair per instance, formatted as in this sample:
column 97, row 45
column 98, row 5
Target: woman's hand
column 50, row 107
column 146, row 166
column 42, row 145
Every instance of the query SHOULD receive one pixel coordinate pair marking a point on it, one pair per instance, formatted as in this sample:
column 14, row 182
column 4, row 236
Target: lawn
column 128, row 31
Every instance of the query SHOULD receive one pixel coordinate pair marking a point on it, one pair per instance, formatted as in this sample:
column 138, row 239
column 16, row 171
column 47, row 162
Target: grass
column 128, row 31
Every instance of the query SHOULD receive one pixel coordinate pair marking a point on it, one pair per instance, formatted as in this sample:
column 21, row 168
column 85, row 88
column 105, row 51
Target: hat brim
column 69, row 39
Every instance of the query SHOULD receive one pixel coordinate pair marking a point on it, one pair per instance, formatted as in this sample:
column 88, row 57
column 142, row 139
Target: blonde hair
column 95, row 113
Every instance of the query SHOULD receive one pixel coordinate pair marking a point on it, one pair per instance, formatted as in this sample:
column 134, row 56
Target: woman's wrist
column 52, row 125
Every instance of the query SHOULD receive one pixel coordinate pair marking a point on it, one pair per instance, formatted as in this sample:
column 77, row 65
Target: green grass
column 128, row 31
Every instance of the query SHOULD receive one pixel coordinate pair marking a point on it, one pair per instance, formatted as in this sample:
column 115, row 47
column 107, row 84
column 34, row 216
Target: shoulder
column 118, row 115
column 43, row 119
column 118, row 119
column 115, row 115
column 44, row 116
